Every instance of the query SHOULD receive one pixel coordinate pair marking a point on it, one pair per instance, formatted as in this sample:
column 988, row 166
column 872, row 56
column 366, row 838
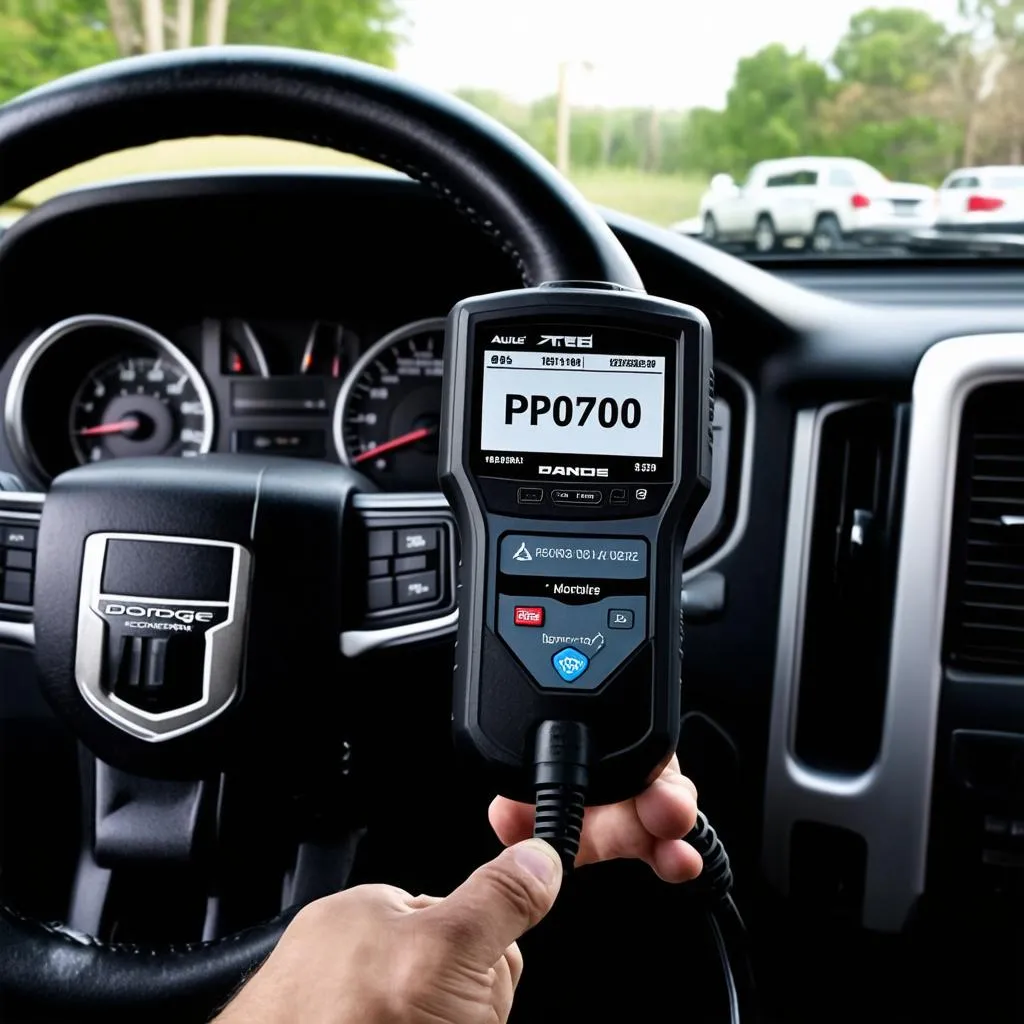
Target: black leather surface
column 508, row 190
column 85, row 979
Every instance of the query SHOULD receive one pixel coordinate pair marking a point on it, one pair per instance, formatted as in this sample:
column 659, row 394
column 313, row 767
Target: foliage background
column 901, row 90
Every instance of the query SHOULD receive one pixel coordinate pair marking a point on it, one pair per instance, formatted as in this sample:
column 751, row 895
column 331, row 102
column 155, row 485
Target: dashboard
column 829, row 707
column 97, row 386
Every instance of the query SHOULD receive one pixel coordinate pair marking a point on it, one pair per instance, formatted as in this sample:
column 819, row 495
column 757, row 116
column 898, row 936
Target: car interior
column 851, row 588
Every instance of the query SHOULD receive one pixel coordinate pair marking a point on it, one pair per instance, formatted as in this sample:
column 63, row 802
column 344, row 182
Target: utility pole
column 562, row 120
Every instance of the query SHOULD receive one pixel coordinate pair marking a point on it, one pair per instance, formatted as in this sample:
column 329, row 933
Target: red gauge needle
column 118, row 427
column 396, row 442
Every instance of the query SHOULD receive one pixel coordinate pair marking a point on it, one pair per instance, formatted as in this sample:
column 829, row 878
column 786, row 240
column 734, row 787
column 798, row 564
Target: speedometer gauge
column 389, row 408
column 137, row 406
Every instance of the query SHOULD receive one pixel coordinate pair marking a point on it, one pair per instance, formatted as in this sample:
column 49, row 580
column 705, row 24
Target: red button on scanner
column 529, row 616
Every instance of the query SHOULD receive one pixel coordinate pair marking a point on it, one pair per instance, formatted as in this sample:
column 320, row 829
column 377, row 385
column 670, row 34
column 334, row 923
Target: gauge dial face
column 138, row 406
column 389, row 409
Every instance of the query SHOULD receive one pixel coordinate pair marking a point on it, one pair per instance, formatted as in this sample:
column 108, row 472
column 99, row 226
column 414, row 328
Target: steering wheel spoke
column 409, row 554
column 19, row 531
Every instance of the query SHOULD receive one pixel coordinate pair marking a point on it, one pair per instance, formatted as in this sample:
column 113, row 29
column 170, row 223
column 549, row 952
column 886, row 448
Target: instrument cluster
column 95, row 387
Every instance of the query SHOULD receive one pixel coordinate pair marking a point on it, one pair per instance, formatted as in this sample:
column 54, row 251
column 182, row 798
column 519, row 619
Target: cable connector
column 716, row 876
column 561, row 774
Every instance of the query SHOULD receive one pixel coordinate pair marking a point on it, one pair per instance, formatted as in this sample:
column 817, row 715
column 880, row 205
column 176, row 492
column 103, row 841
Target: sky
column 672, row 54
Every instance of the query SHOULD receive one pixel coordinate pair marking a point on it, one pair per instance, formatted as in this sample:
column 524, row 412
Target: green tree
column 771, row 111
column 42, row 39
column 895, row 48
column 365, row 29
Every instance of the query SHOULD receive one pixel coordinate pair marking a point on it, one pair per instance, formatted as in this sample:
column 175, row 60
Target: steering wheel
column 233, row 569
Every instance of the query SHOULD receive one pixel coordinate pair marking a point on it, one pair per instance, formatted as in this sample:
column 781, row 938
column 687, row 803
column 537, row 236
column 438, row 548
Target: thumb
column 500, row 901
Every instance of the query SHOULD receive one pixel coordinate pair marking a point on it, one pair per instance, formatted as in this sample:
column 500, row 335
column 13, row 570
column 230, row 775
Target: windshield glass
column 777, row 131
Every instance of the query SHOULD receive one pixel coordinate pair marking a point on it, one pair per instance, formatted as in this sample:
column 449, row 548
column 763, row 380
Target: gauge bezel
column 14, row 421
column 432, row 323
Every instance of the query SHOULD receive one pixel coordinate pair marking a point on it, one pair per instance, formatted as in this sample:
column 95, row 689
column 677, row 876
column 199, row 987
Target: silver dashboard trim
column 890, row 803
column 14, row 419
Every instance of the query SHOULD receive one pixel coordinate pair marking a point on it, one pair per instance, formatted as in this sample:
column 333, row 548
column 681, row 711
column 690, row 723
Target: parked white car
column 987, row 199
column 822, row 201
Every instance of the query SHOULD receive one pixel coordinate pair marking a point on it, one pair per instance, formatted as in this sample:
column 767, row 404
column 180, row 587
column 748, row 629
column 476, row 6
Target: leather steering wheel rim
column 503, row 186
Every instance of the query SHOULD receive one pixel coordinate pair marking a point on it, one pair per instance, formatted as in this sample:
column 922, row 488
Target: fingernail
column 538, row 858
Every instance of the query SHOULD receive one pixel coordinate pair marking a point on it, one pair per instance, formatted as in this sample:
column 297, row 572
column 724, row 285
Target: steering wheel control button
column 379, row 595
column 18, row 537
column 411, row 563
column 410, row 574
column 17, row 558
column 570, row 664
column 620, row 618
column 161, row 629
column 532, row 615
column 419, row 541
column 418, row 588
column 564, row 497
column 530, row 495
column 551, row 557
column 381, row 543
column 18, row 588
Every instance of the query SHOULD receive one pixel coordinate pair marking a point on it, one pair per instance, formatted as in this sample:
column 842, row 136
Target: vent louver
column 848, row 603
column 985, row 606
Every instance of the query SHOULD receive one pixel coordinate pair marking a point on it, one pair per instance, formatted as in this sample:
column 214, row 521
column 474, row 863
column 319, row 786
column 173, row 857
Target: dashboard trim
column 739, row 527
column 14, row 419
column 890, row 803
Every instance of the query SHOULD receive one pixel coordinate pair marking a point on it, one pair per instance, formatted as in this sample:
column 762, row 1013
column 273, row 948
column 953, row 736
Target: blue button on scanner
column 570, row 664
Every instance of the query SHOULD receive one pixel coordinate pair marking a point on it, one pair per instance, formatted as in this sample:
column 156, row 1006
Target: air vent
column 849, row 587
column 985, row 607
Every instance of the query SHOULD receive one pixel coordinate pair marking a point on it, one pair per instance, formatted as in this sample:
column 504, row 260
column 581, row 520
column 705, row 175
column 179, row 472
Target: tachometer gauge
column 389, row 408
column 137, row 406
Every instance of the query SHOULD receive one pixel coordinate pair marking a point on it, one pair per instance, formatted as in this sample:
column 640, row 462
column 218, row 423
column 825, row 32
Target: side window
column 805, row 178
column 963, row 181
column 780, row 180
column 840, row 177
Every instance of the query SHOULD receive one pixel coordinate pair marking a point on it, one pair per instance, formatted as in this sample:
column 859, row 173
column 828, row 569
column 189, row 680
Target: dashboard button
column 415, row 541
column 530, row 495
column 620, row 618
column 417, row 588
column 379, row 567
column 618, row 496
column 382, row 543
column 379, row 594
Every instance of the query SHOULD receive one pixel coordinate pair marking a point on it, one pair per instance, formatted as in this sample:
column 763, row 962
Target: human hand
column 649, row 827
column 376, row 955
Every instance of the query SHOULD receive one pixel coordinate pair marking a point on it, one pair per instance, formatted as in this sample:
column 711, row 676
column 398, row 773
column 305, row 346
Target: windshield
column 777, row 131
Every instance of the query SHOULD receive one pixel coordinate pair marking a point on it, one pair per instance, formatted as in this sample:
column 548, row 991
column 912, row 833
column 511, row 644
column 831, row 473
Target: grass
column 659, row 198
